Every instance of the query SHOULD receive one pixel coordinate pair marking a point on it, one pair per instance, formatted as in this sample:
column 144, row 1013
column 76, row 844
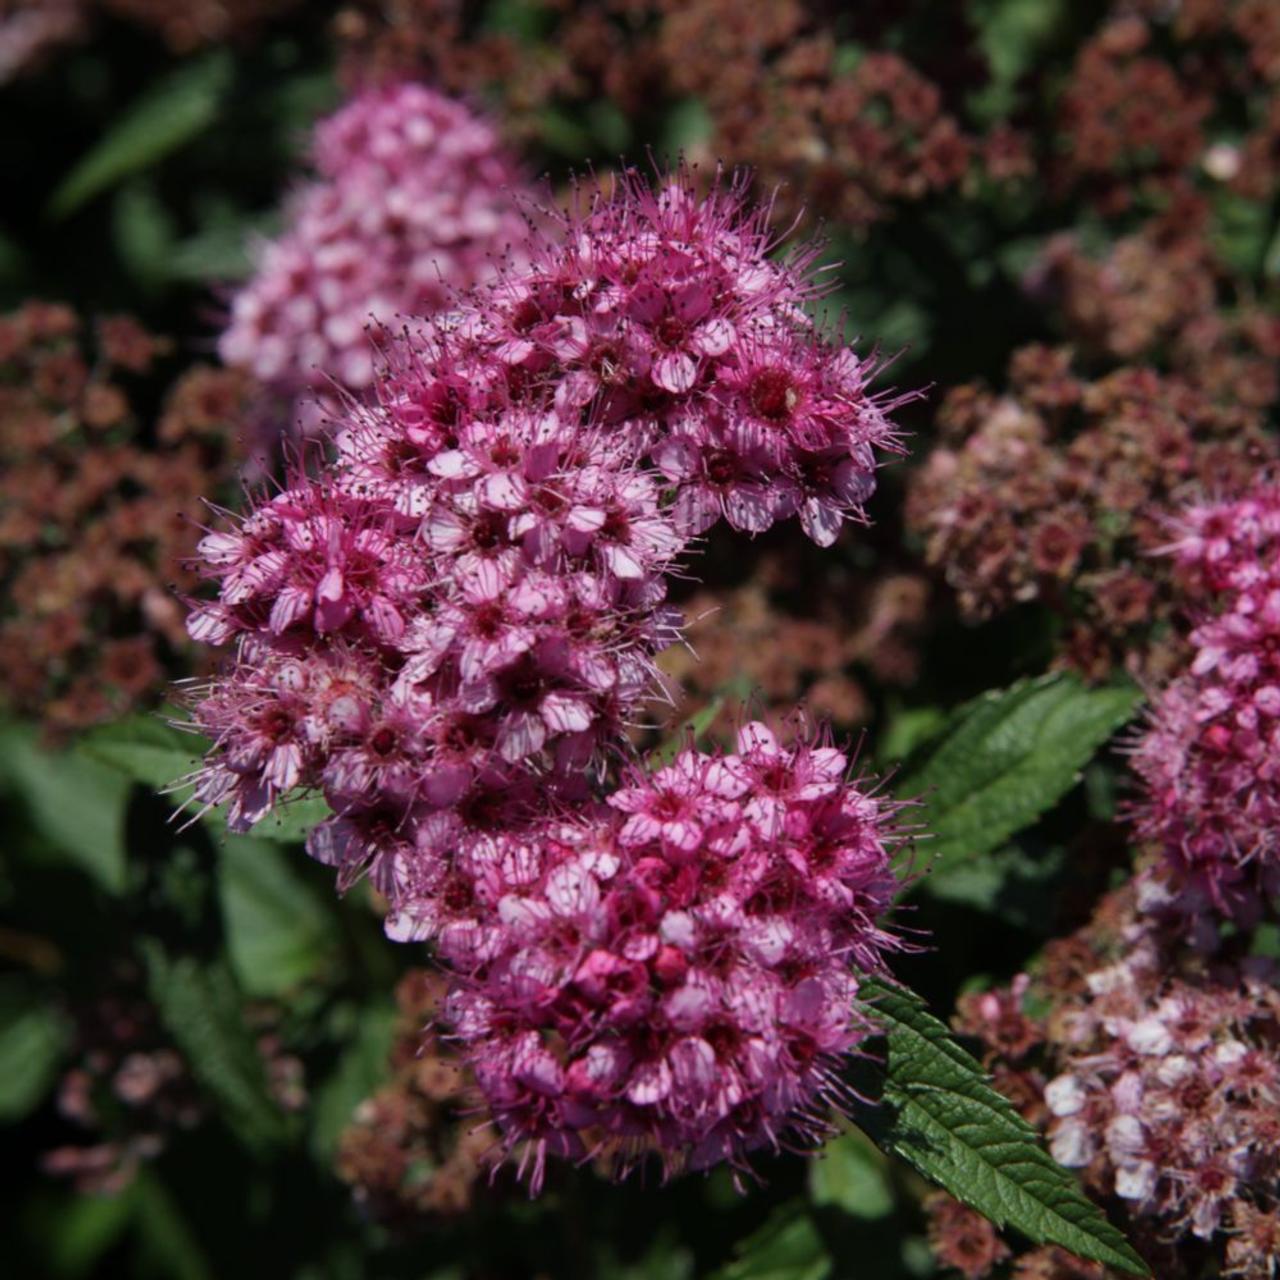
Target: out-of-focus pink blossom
column 414, row 200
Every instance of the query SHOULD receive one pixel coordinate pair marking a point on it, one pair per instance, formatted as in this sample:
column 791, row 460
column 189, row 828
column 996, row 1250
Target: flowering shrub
column 1209, row 799
column 94, row 519
column 510, row 531
column 1154, row 1072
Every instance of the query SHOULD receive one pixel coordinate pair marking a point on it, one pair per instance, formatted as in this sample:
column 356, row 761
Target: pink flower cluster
column 663, row 318
column 448, row 631
column 415, row 200
column 1210, row 763
column 676, row 974
column 1173, row 1087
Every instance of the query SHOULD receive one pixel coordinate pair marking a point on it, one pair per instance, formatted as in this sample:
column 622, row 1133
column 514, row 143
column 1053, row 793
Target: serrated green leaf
column 940, row 1115
column 279, row 931
column 849, row 1174
column 1008, row 757
column 202, row 1009
column 33, row 1037
column 361, row 1069
column 787, row 1247
column 76, row 803
column 165, row 118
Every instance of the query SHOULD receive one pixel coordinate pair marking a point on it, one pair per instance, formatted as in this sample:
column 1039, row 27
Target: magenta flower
column 450, row 628
column 696, row 975
column 1210, row 762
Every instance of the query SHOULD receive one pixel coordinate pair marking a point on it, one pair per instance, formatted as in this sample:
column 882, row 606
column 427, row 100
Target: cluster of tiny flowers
column 661, row 318
column 1153, row 1068
column 1171, row 1087
column 676, row 973
column 415, row 200
column 1210, row 763
column 404, row 647
column 449, row 629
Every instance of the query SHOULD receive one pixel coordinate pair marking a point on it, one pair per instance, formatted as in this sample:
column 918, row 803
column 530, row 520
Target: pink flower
column 415, row 200
column 450, row 627
column 1210, row 762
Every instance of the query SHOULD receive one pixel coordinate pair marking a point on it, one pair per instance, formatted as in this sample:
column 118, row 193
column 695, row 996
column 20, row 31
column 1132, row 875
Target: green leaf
column 1009, row 756
column 940, row 1115
column 362, row 1068
column 1012, row 883
column 1013, row 32
column 787, row 1247
column 33, row 1038
column 217, row 254
column 84, row 1229
column 144, row 232
column 907, row 729
column 74, row 802
column 164, row 119
column 279, row 931
column 202, row 1009
column 850, row 1175
column 687, row 127
column 290, row 823
column 166, row 1237
column 146, row 749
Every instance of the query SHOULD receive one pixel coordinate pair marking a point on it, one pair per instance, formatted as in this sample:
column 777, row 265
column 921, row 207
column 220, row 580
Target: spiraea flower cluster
column 450, row 629
column 414, row 200
column 1153, row 1070
column 679, row 974
column 412, row 1151
column 855, row 139
column 1173, row 1085
column 1210, row 764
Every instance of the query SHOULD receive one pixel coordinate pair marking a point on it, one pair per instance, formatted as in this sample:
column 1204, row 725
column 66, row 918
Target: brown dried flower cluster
column 1058, row 489
column 194, row 23
column 789, row 647
column 963, row 1241
column 961, row 1238
column 414, row 1149
column 1163, row 293
column 1158, row 95
column 848, row 134
column 96, row 512
column 31, row 30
